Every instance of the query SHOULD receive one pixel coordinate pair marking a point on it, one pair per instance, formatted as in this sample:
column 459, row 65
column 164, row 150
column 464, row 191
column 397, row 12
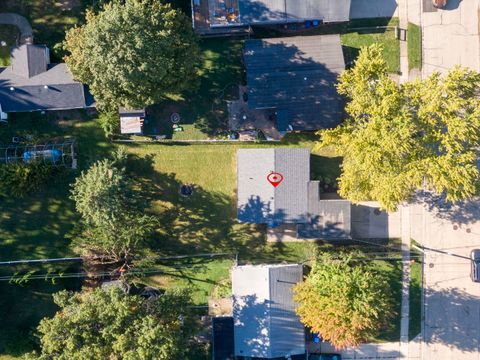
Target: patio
column 241, row 117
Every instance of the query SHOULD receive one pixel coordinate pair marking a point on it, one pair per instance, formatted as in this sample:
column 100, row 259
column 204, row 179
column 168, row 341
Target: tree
column 133, row 53
column 114, row 224
column 345, row 301
column 402, row 138
column 112, row 325
column 110, row 123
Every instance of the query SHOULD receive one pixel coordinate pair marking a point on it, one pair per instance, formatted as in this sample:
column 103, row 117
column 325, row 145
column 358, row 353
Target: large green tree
column 115, row 226
column 133, row 53
column 113, row 325
column 345, row 301
column 402, row 138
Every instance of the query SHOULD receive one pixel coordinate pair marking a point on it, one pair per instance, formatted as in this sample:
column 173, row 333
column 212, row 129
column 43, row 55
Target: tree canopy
column 133, row 53
column 402, row 138
column 108, row 324
column 345, row 301
column 114, row 223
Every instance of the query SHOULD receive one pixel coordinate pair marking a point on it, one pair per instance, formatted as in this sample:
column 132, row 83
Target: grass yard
column 415, row 300
column 219, row 75
column 8, row 35
column 414, row 44
column 353, row 41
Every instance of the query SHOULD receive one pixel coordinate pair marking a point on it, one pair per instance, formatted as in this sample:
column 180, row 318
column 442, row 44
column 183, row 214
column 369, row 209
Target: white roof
column 131, row 125
column 265, row 322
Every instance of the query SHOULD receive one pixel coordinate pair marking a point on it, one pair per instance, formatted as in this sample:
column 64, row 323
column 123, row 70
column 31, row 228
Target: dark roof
column 260, row 202
column 271, row 11
column 29, row 60
column 131, row 112
column 53, row 89
column 327, row 219
column 296, row 75
column 223, row 343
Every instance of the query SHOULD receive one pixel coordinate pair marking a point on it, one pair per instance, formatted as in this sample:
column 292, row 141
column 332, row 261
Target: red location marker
column 275, row 178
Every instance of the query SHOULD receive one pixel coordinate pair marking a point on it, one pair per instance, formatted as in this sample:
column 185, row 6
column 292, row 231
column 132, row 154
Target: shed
column 265, row 323
column 131, row 120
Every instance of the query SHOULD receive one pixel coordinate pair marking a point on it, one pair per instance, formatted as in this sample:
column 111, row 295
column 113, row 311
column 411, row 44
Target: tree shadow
column 461, row 212
column 451, row 319
column 201, row 223
column 295, row 80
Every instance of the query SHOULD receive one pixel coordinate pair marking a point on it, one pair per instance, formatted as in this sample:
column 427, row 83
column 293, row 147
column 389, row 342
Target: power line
column 56, row 276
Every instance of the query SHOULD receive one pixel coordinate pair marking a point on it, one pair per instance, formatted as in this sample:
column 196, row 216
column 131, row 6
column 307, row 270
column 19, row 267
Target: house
column 265, row 323
column 32, row 83
column 292, row 80
column 235, row 14
column 295, row 204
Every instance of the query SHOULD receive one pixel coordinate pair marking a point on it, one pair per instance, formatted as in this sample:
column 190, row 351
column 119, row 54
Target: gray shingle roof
column 30, row 94
column 327, row 219
column 260, row 202
column 296, row 75
column 265, row 322
column 268, row 11
column 29, row 60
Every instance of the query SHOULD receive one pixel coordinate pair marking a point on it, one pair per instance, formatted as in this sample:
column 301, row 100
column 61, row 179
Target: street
column 450, row 36
column 452, row 301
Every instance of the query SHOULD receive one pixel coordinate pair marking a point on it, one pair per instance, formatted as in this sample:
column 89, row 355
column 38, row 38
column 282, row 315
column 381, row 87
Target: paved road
column 452, row 300
column 451, row 37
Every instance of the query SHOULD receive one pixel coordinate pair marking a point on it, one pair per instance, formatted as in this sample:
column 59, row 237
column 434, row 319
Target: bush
column 19, row 179
column 110, row 123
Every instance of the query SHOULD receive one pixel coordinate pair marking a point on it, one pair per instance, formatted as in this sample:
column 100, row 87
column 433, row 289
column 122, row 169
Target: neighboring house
column 32, row 83
column 234, row 14
column 290, row 85
column 295, row 204
column 265, row 323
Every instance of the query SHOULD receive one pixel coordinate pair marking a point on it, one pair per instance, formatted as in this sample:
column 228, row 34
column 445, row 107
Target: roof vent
column 45, row 87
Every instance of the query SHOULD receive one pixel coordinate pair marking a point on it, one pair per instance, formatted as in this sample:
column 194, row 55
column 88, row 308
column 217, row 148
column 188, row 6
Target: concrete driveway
column 451, row 36
column 452, row 300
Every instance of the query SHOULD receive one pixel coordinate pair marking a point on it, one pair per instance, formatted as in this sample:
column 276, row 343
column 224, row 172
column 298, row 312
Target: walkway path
column 403, row 23
column 405, row 314
column 26, row 33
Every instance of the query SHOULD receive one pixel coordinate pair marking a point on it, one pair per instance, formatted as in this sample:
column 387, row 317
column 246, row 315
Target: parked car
column 475, row 261
column 440, row 4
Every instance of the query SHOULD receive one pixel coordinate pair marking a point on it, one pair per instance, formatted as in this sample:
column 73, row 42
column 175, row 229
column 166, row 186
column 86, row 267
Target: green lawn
column 414, row 43
column 415, row 298
column 353, row 41
column 220, row 73
column 8, row 34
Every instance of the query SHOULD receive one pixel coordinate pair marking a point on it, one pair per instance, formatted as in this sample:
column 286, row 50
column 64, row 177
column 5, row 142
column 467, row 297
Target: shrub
column 19, row 179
